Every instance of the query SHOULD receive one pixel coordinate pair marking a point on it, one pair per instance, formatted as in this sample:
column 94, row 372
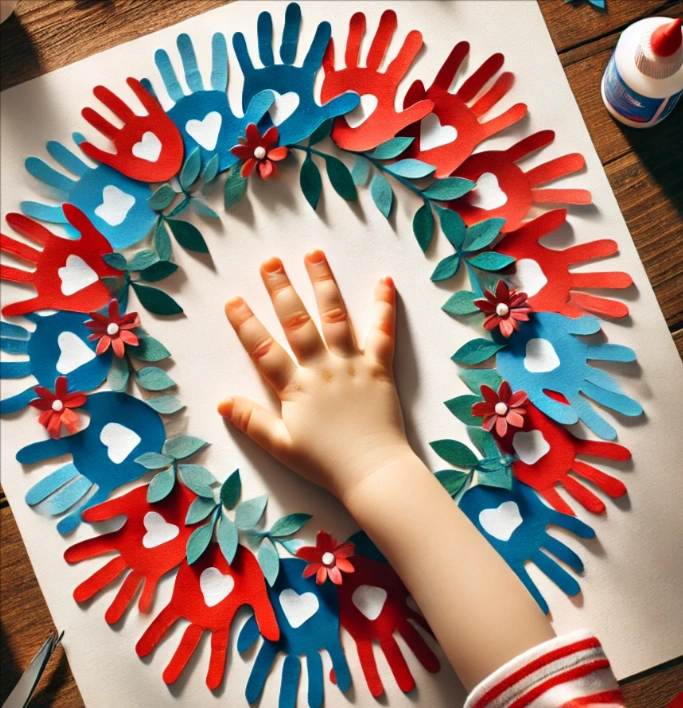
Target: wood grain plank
column 654, row 688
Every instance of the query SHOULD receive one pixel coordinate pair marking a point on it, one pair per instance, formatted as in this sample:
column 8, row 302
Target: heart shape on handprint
column 366, row 107
column 205, row 132
column 487, row 194
column 215, row 586
column 529, row 277
column 283, row 106
column 149, row 148
column 76, row 275
column 530, row 446
column 298, row 608
column 159, row 531
column 434, row 135
column 119, row 441
column 369, row 600
column 541, row 356
column 73, row 353
column 502, row 521
column 115, row 205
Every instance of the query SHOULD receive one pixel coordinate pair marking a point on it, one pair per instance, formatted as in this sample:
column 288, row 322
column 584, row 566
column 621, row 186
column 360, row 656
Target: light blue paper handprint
column 121, row 429
column 204, row 116
column 514, row 522
column 547, row 356
column 58, row 346
column 115, row 204
column 308, row 617
column 295, row 112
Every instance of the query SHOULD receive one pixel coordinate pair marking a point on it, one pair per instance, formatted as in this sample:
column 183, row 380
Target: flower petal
column 128, row 337
column 504, row 392
column 119, row 347
column 485, row 306
column 321, row 575
column 242, row 152
column 335, row 575
column 114, row 310
column 253, row 135
column 75, row 400
column 325, row 543
column 489, row 423
column 103, row 344
column 270, row 138
column 345, row 550
column 506, row 328
column 502, row 292
column 311, row 569
column 61, row 387
column 482, row 409
column 248, row 167
column 489, row 395
column 266, row 169
column 310, row 554
column 518, row 398
column 515, row 419
column 278, row 153
column 501, row 426
column 70, row 420
column 54, row 425
column 345, row 565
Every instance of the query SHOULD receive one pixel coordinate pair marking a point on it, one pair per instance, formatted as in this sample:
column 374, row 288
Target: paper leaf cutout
column 410, row 169
column 153, row 379
column 249, row 512
column 461, row 408
column 200, row 508
column 196, row 476
column 190, row 172
column 161, row 486
column 198, row 542
column 269, row 561
column 382, row 194
column 154, row 460
column 321, row 132
column 235, row 187
column 340, row 178
column 231, row 490
column 180, row 447
column 455, row 453
column 158, row 271
column 474, row 379
column 461, row 303
column 156, row 301
column 360, row 172
column 288, row 525
column 476, row 351
column 491, row 261
column 423, row 225
column 162, row 197
column 448, row 188
column 310, row 181
column 188, row 235
column 390, row 149
column 452, row 481
column 162, row 241
column 165, row 404
column 149, row 349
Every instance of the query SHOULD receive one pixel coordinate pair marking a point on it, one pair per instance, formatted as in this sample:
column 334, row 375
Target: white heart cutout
column 76, row 275
column 298, row 608
column 369, row 600
column 502, row 521
column 159, row 531
column 149, row 148
column 530, row 446
column 215, row 586
column 434, row 135
column 283, row 106
column 541, row 356
column 73, row 353
column 119, row 441
column 487, row 194
column 115, row 205
column 529, row 277
column 205, row 131
column 366, row 107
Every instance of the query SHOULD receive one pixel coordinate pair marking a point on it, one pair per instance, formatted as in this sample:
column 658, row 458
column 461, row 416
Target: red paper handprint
column 69, row 272
column 148, row 148
column 547, row 452
column 208, row 595
column 505, row 190
column 150, row 544
column 378, row 120
column 552, row 286
column 447, row 137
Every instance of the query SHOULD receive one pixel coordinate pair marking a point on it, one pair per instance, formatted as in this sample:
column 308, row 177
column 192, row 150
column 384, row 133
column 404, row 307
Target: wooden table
column 644, row 168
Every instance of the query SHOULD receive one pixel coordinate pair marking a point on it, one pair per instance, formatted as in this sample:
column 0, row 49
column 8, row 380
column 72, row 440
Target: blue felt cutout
column 528, row 540
column 101, row 193
column 285, row 78
column 319, row 632
column 572, row 376
column 91, row 456
column 45, row 361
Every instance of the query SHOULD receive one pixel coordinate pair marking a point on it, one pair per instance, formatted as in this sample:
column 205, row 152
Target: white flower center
column 57, row 406
column 328, row 558
column 502, row 310
column 501, row 408
column 112, row 329
column 259, row 153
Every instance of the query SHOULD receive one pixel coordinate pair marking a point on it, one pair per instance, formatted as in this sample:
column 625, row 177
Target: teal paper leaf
column 149, row 349
column 143, row 259
column 495, row 475
column 288, row 525
column 411, row 169
column 340, row 178
column 156, row 301
column 444, row 190
column 485, row 443
column 475, row 378
column 269, row 560
column 152, row 378
column 452, row 480
column 153, row 460
column 191, row 168
column 179, row 208
column 461, row 303
column 391, row 148
column 310, row 181
column 115, row 260
column 198, row 542
column 491, row 261
column 321, row 132
column 423, row 225
column 455, row 453
column 197, row 475
column 200, row 207
column 228, row 538
column 382, row 194
column 165, row 404
column 482, row 234
column 231, row 490
column 360, row 171
column 180, row 447
column 158, row 271
column 188, row 236
column 161, row 198
column 118, row 375
column 476, row 351
column 235, row 186
column 200, row 508
column 249, row 512
column 162, row 241
column 446, row 268
column 453, row 226
column 210, row 170
column 461, row 408
column 292, row 545
column 161, row 485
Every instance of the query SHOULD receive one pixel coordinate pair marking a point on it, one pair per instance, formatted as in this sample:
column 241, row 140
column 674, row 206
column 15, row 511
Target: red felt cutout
column 559, row 293
column 463, row 110
column 147, row 565
column 559, row 465
column 154, row 134
column 385, row 121
column 519, row 187
column 58, row 254
column 188, row 603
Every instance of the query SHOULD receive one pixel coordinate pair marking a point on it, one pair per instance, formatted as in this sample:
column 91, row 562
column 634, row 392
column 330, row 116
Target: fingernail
column 316, row 256
column 225, row 407
column 387, row 280
column 272, row 265
column 234, row 302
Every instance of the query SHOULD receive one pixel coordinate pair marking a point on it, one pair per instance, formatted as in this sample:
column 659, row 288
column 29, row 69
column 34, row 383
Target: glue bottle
column 644, row 78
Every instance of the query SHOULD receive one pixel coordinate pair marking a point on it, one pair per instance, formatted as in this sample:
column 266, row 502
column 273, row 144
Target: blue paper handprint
column 295, row 112
column 121, row 429
column 547, row 356
column 115, row 205
column 514, row 522
column 204, row 117
column 308, row 617
column 58, row 346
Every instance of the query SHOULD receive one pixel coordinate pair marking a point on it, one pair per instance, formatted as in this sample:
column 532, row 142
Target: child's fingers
column 265, row 428
column 272, row 361
column 336, row 326
column 382, row 336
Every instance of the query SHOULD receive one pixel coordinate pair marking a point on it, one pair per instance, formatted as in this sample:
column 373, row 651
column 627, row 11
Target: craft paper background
column 634, row 568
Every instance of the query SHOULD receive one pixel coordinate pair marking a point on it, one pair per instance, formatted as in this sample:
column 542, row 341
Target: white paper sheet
column 634, row 569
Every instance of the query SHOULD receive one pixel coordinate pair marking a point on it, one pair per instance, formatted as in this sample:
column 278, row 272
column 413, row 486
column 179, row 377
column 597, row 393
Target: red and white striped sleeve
column 571, row 671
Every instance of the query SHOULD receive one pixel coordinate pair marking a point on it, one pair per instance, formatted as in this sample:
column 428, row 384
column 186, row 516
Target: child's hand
column 341, row 418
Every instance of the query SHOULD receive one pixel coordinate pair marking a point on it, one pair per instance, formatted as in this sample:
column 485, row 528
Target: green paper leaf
column 476, row 351
column 382, row 194
column 311, row 182
column 115, row 260
column 153, row 460
column 491, row 261
column 179, row 208
column 198, row 542
column 228, row 538
column 484, row 442
column 156, row 301
column 423, row 225
column 161, row 197
column 200, row 508
column 360, row 171
column 482, row 234
column 475, row 378
column 152, row 378
column 292, row 545
column 142, row 259
column 158, row 271
column 321, row 132
column 249, row 512
column 499, row 477
column 455, row 453
column 165, row 404
column 340, row 178
column 188, row 235
column 149, row 349
column 200, row 207
column 446, row 268
column 161, row 485
column 461, row 408
column 452, row 480
column 235, row 186
column 197, row 475
column 461, row 303
column 180, row 447
column 453, row 226
column 444, row 190
column 231, row 490
column 162, row 241
column 118, row 375
column 288, row 525
column 210, row 170
column 391, row 148
column 191, row 168
column 411, row 169
column 269, row 560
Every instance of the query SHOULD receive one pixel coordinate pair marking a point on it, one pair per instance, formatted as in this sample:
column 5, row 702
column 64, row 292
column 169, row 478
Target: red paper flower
column 327, row 559
column 257, row 149
column 501, row 409
column 114, row 330
column 57, row 408
column 505, row 309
